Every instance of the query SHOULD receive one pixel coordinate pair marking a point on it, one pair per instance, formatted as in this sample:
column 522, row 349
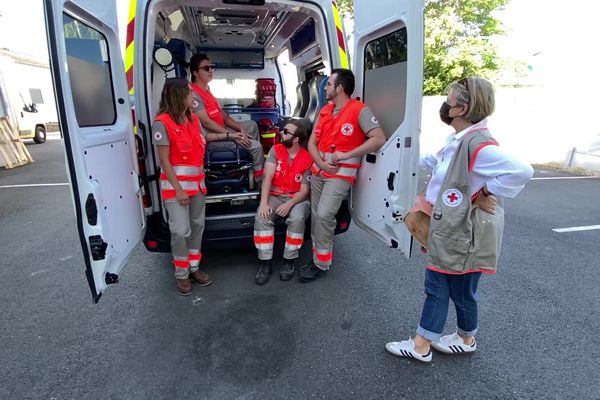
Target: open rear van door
column 95, row 119
column 388, row 64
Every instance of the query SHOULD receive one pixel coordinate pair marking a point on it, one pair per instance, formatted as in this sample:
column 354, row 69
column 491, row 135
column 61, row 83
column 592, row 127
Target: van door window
column 385, row 79
column 89, row 73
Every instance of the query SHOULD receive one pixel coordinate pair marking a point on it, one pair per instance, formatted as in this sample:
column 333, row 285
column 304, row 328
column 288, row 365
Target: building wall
column 530, row 123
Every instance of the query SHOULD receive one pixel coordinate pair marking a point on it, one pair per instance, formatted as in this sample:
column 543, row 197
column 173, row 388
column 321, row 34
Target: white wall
column 531, row 123
column 18, row 79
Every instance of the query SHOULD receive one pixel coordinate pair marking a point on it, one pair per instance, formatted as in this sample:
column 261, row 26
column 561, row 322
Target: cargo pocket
column 448, row 251
column 487, row 237
column 184, row 145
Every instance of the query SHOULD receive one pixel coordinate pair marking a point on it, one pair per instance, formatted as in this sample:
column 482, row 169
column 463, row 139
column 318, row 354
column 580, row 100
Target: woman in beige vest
column 470, row 177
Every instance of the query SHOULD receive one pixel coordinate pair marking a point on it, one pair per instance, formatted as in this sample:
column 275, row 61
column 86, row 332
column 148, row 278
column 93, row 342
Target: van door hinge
column 98, row 247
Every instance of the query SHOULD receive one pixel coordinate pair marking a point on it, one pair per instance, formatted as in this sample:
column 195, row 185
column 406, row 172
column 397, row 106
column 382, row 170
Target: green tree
column 457, row 44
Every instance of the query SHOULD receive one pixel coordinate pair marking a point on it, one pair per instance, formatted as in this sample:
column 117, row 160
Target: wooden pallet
column 12, row 150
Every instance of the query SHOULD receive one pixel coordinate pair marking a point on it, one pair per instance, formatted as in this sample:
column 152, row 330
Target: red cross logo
column 347, row 129
column 452, row 197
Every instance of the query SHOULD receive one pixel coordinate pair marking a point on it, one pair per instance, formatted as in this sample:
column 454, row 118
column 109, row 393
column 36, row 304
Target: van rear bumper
column 227, row 232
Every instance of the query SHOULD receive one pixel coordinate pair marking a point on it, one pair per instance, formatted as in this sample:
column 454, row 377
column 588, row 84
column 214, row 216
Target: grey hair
column 476, row 93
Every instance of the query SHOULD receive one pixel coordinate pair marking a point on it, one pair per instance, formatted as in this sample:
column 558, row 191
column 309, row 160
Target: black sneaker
column 287, row 269
column 264, row 272
column 310, row 272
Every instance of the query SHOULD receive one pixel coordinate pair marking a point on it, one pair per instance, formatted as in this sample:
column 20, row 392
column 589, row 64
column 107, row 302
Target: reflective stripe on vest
column 211, row 104
column 186, row 154
column 348, row 168
column 191, row 179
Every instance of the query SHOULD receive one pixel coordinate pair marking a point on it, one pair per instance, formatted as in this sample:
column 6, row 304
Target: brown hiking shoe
column 200, row 278
column 184, row 286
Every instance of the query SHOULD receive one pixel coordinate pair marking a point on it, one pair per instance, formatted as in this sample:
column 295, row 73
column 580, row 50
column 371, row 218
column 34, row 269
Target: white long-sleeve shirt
column 502, row 174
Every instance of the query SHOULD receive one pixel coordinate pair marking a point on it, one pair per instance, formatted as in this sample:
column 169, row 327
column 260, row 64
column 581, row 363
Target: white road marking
column 34, row 273
column 554, row 178
column 33, row 185
column 577, row 228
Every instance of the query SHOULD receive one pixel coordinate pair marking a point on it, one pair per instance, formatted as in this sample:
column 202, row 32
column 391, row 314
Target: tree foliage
column 457, row 40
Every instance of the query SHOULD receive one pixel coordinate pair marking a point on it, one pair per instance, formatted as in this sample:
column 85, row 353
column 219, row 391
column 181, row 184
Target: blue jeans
column 439, row 288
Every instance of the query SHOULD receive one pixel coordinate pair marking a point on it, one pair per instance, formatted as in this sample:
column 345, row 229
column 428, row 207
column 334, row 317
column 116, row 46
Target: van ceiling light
column 233, row 17
column 245, row 2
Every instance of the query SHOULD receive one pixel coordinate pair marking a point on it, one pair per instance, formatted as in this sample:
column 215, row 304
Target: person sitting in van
column 284, row 193
column 177, row 134
column 217, row 124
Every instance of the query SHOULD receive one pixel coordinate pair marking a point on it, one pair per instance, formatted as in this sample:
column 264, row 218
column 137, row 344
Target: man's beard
column 288, row 143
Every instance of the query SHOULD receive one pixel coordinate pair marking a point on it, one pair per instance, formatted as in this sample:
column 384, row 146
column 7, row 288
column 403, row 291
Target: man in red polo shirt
column 217, row 124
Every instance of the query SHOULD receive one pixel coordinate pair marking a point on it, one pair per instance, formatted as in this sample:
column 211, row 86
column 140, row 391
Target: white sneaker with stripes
column 454, row 344
column 406, row 348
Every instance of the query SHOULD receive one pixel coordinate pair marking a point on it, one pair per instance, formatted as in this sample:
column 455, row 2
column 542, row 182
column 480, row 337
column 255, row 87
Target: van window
column 233, row 89
column 89, row 73
column 385, row 79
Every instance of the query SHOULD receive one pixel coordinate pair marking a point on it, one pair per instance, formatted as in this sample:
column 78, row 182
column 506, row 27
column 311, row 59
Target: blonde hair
column 476, row 93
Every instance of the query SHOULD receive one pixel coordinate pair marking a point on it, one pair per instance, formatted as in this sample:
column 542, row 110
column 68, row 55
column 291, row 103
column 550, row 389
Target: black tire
column 40, row 135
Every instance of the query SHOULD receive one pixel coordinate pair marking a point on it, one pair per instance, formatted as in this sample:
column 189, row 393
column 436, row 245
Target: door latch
column 98, row 247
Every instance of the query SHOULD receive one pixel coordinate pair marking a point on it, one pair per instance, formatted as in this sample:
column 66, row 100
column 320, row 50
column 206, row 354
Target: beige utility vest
column 461, row 238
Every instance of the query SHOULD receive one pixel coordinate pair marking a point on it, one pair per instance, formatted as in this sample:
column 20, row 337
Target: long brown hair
column 172, row 100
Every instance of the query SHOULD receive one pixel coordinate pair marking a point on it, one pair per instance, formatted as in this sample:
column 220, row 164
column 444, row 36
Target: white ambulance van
column 112, row 164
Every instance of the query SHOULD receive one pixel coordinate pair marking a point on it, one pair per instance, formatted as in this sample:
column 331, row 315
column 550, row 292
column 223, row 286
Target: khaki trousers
column 326, row 195
column 264, row 230
column 186, row 224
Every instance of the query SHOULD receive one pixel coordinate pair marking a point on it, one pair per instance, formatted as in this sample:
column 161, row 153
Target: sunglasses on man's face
column 286, row 132
column 208, row 68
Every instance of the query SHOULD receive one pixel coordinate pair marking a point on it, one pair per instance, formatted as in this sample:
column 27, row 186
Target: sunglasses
column 286, row 132
column 465, row 83
column 208, row 68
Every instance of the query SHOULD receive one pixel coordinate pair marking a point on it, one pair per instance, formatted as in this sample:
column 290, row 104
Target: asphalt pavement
column 286, row 340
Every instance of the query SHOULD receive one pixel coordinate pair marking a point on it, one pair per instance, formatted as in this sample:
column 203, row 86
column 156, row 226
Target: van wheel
column 40, row 135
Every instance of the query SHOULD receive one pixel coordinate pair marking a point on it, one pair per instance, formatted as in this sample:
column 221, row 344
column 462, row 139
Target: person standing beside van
column 217, row 124
column 284, row 193
column 471, row 175
column 177, row 134
column 345, row 131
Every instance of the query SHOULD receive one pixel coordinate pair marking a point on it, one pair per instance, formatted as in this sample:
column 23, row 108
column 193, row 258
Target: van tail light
column 152, row 244
column 343, row 226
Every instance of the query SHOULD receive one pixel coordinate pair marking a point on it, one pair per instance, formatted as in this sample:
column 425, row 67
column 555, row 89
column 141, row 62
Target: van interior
column 250, row 42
